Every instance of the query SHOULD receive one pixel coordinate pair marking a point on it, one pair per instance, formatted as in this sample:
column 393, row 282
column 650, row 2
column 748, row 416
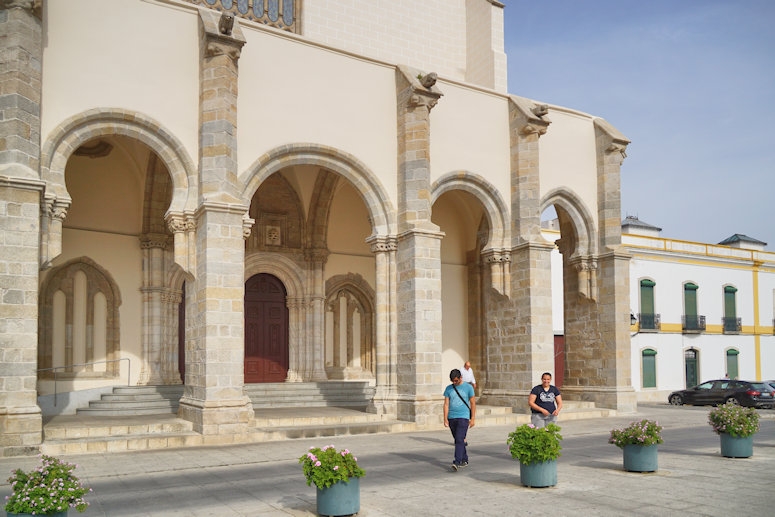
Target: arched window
column 79, row 320
column 649, row 368
column 691, row 369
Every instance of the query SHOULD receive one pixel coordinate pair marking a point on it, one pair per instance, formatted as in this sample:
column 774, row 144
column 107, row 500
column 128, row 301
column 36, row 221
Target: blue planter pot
column 538, row 475
column 340, row 498
column 736, row 447
column 640, row 458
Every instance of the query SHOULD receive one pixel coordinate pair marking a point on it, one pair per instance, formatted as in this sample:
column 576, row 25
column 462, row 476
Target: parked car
column 745, row 393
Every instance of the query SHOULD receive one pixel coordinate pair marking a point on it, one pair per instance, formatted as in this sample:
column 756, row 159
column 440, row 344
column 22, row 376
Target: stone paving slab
column 408, row 475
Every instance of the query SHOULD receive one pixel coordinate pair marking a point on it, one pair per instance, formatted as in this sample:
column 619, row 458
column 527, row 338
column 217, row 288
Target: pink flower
column 336, row 467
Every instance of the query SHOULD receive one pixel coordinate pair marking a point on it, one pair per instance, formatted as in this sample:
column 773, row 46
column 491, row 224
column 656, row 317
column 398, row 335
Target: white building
column 699, row 311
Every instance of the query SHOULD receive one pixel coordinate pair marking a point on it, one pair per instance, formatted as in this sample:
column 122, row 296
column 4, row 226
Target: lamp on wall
column 633, row 319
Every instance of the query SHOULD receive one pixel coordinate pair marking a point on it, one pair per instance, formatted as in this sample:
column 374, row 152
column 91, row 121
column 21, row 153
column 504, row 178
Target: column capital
column 382, row 244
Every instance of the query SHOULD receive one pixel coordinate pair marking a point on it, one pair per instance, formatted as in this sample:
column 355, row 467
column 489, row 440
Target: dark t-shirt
column 545, row 399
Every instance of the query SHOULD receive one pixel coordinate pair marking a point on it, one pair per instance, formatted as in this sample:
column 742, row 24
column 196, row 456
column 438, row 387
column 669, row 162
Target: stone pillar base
column 383, row 403
column 425, row 412
column 623, row 399
column 22, row 431
column 224, row 417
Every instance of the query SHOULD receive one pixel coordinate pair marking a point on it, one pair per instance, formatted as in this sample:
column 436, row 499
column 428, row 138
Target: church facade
column 216, row 193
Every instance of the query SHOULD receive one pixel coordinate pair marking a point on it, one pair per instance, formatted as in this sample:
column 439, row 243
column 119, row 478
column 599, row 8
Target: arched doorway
column 266, row 330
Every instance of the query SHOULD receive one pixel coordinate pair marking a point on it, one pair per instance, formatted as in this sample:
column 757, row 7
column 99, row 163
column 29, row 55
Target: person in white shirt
column 468, row 374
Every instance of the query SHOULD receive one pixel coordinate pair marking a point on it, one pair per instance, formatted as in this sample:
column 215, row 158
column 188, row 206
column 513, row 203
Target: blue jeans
column 459, row 428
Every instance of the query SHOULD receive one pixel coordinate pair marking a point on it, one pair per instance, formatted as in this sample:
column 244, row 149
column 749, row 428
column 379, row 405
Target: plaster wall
column 470, row 132
column 333, row 100
column 454, row 321
column 567, row 157
column 95, row 56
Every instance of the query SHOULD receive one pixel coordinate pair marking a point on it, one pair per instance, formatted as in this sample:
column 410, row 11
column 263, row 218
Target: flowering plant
column 327, row 466
column 734, row 420
column 645, row 432
column 50, row 488
column 530, row 444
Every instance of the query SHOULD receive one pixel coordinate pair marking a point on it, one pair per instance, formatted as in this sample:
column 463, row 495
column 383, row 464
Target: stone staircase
column 134, row 401
column 352, row 394
column 139, row 418
column 487, row 416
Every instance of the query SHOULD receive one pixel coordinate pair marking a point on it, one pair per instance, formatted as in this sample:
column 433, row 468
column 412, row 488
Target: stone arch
column 585, row 235
column 494, row 206
column 289, row 273
column 80, row 128
column 365, row 182
column 99, row 281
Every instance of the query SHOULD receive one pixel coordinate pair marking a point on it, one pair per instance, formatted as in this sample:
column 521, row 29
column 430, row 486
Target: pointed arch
column 581, row 219
column 90, row 124
column 363, row 180
column 487, row 194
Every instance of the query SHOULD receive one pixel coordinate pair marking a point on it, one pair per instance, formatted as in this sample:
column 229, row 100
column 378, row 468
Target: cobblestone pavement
column 408, row 475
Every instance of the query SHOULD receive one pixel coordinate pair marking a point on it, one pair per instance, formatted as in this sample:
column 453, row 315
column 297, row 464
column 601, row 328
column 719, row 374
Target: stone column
column 520, row 343
column 214, row 398
column 21, row 211
column 316, row 258
column 153, row 248
column 613, row 279
column 418, row 256
column 384, row 250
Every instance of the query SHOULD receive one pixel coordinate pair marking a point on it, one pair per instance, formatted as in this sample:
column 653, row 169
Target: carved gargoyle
column 226, row 24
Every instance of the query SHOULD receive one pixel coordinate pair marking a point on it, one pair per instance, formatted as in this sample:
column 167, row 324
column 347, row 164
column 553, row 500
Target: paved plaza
column 408, row 475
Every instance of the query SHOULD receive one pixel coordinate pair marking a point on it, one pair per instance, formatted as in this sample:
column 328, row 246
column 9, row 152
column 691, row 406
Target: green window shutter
column 690, row 299
column 649, row 366
column 732, row 366
column 730, row 310
column 647, row 296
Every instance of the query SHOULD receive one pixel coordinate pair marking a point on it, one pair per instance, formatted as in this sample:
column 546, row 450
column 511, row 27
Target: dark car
column 745, row 393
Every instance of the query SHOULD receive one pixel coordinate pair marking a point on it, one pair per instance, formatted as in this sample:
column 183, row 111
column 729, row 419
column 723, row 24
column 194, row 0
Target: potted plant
column 537, row 450
column 336, row 475
column 735, row 426
column 638, row 442
column 50, row 489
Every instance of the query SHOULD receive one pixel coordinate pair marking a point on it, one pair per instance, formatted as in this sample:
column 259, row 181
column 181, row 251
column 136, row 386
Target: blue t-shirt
column 458, row 409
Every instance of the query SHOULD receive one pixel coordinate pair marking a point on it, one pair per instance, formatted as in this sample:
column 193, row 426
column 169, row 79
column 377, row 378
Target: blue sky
column 690, row 82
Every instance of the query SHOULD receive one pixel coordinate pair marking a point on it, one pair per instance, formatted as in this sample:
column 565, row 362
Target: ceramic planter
column 736, row 447
column 341, row 498
column 640, row 458
column 538, row 475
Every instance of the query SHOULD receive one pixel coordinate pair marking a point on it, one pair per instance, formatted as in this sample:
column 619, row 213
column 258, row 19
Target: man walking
column 459, row 415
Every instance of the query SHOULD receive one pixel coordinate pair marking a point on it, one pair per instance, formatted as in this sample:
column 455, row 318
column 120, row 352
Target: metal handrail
column 55, row 368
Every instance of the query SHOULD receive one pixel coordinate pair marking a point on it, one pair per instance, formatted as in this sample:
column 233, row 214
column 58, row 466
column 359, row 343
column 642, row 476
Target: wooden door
column 266, row 330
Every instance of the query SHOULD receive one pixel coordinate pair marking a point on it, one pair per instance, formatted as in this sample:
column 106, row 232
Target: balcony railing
column 693, row 324
column 281, row 14
column 648, row 322
column 732, row 325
